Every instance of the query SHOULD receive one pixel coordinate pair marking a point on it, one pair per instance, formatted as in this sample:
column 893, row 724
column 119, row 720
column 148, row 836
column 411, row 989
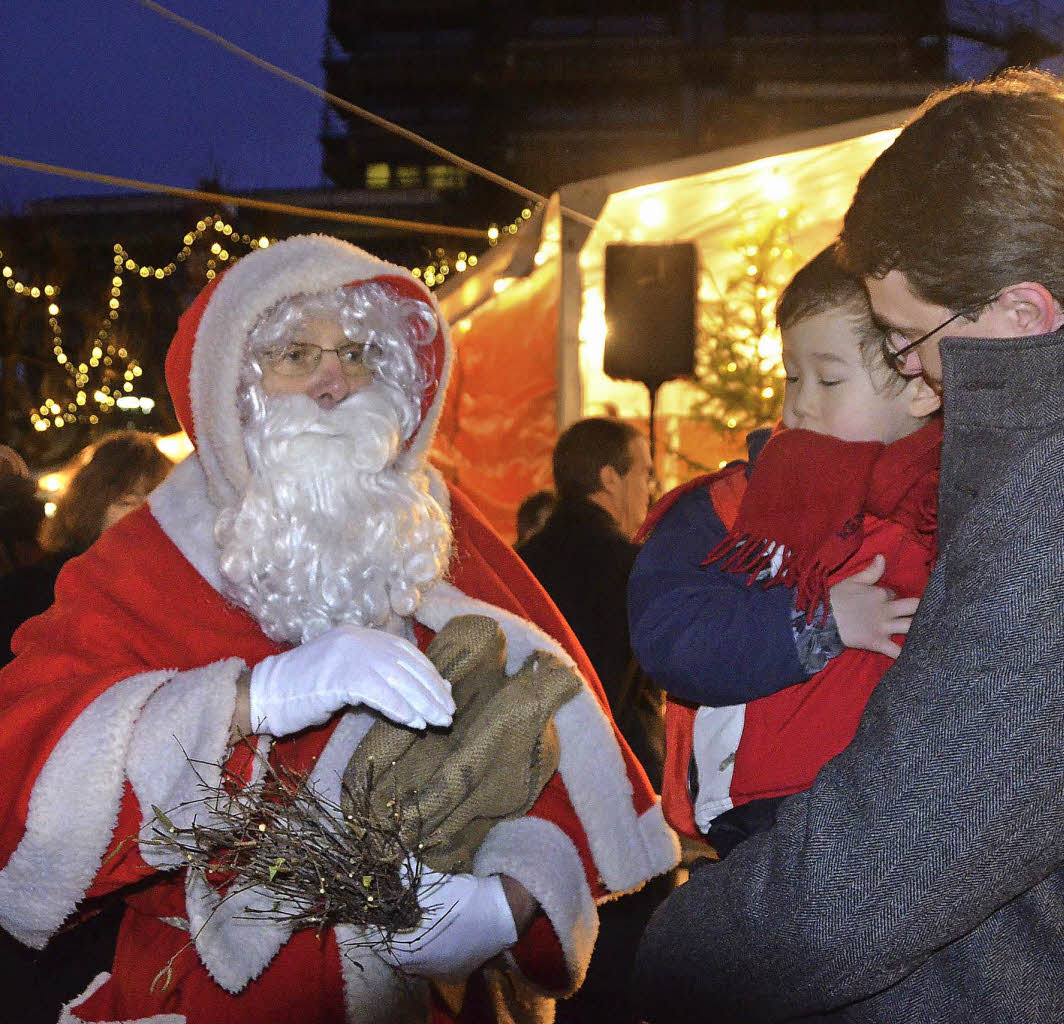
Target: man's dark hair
column 584, row 449
column 970, row 196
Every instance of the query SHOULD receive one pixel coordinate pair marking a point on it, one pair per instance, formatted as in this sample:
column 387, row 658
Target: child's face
column 831, row 391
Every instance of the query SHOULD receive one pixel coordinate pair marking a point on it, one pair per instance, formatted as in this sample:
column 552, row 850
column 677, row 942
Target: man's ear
column 609, row 478
column 1029, row 308
column 922, row 398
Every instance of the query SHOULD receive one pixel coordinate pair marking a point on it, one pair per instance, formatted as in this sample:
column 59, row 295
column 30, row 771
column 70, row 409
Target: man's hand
column 869, row 616
column 467, row 921
column 346, row 666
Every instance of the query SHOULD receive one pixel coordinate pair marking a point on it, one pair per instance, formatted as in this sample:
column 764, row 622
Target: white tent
column 709, row 199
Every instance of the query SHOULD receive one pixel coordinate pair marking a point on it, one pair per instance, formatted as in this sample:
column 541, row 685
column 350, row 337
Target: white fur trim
column 234, row 935
column 182, row 508
column 67, row 1014
column 627, row 850
column 73, row 811
column 179, row 744
column 540, row 856
column 715, row 739
column 374, row 990
column 301, row 265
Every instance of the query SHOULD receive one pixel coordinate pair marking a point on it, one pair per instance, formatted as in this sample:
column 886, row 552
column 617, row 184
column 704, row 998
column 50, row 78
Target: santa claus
column 283, row 583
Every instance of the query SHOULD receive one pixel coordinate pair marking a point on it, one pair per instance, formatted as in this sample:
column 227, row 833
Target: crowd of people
column 833, row 668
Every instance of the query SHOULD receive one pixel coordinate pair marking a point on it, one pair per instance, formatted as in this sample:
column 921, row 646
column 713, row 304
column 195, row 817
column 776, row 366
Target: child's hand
column 868, row 616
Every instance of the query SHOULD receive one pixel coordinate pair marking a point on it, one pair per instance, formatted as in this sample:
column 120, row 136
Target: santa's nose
column 330, row 385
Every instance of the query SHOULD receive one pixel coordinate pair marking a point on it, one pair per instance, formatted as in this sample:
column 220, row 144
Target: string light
column 437, row 270
column 104, row 399
column 84, row 407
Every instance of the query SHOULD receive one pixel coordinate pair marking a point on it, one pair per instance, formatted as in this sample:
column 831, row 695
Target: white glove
column 467, row 921
column 346, row 666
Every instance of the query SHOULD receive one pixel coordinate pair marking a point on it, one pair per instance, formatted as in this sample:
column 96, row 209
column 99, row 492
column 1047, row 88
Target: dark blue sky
column 111, row 87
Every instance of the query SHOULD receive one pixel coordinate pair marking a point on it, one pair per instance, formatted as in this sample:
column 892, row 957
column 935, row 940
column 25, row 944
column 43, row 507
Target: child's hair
column 824, row 285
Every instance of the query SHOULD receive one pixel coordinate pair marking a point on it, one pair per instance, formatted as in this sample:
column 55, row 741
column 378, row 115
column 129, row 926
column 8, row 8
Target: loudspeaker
column 650, row 295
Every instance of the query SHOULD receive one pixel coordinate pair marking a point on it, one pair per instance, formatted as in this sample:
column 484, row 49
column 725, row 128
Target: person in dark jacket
column 583, row 555
column 921, row 877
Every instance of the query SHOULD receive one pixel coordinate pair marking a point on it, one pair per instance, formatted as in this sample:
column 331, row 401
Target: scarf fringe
column 751, row 556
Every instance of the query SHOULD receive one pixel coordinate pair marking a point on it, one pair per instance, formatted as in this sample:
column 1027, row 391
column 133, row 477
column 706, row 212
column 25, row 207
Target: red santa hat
column 205, row 359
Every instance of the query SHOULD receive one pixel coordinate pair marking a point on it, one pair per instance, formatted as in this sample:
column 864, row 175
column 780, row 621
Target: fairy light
column 86, row 407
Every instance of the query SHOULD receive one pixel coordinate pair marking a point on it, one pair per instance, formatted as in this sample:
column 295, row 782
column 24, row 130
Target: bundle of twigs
column 325, row 865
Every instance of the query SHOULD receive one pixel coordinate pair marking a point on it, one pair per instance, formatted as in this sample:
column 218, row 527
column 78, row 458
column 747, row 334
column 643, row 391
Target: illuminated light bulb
column 216, row 248
column 768, row 392
column 201, row 226
column 188, row 239
column 18, row 287
column 502, row 283
column 263, row 242
column 526, row 213
column 540, row 258
column 94, row 418
column 127, row 386
column 762, row 291
column 53, row 309
column 60, row 359
column 35, row 292
column 416, row 271
column 49, row 506
column 732, row 422
column 51, row 483
column 137, row 371
column 652, row 212
column 94, row 362
column 722, row 463
column 223, row 255
column 159, row 273
column 121, row 353
column 113, row 314
column 732, row 367
column 465, row 324
column 7, row 271
column 58, row 421
column 42, row 425
column 49, row 290
column 118, row 262
column 751, row 270
column 460, row 265
column 145, row 271
column 776, row 188
column 472, row 261
column 147, row 404
column 81, row 398
column 493, row 232
column 114, row 303
column 116, row 292
column 130, row 265
column 210, row 275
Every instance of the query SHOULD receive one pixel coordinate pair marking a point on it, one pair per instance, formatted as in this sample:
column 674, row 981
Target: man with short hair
column 583, row 556
column 273, row 600
column 921, row 878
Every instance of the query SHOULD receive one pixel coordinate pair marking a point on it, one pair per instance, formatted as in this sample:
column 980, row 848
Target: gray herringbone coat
column 921, row 879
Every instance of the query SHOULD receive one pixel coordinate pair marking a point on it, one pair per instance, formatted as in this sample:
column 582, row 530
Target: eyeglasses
column 302, row 359
column 895, row 357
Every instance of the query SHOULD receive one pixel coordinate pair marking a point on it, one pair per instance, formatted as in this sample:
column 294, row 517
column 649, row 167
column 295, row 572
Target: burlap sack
column 451, row 785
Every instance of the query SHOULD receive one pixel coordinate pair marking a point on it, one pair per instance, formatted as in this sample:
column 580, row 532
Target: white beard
column 329, row 530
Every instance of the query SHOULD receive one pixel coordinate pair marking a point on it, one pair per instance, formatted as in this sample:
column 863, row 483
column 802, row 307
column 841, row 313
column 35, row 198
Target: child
column 768, row 682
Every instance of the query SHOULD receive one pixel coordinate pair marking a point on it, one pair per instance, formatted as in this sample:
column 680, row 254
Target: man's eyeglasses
column 302, row 359
column 895, row 356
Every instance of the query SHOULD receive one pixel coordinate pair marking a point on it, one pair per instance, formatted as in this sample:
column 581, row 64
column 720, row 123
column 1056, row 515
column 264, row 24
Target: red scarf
column 807, row 498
